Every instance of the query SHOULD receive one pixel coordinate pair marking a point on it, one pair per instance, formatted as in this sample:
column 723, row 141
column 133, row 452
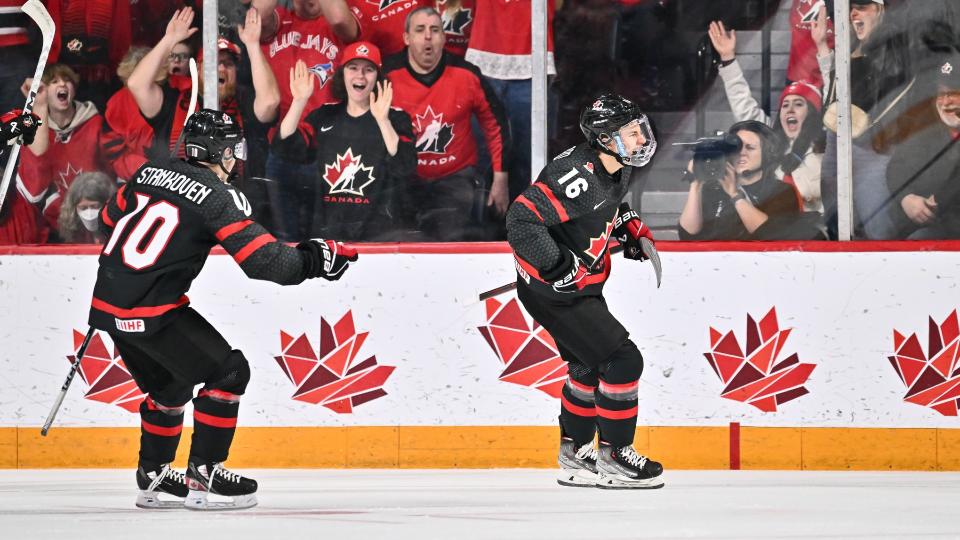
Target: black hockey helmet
column 212, row 136
column 603, row 120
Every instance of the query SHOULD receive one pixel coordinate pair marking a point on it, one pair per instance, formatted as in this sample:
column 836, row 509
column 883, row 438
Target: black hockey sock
column 578, row 415
column 617, row 412
column 214, row 423
column 160, row 428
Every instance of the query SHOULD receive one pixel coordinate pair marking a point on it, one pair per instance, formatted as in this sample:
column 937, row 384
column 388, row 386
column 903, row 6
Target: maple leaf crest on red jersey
column 348, row 174
column 455, row 21
column 433, row 136
column 383, row 4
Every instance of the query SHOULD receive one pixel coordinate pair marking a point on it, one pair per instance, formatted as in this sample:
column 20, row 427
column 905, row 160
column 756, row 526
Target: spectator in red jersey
column 457, row 16
column 80, row 214
column 500, row 47
column 165, row 106
column 133, row 129
column 381, row 21
column 92, row 37
column 79, row 141
column 441, row 93
column 363, row 148
column 20, row 223
column 314, row 32
column 803, row 65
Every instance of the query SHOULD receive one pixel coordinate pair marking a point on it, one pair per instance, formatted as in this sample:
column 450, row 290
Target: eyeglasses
column 178, row 57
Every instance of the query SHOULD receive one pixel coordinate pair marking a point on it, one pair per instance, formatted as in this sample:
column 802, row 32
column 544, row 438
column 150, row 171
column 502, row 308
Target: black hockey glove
column 327, row 259
column 16, row 124
column 628, row 230
column 566, row 278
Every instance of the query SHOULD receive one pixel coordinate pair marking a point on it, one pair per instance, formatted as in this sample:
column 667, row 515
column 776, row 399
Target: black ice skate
column 578, row 466
column 205, row 479
column 624, row 468
column 166, row 481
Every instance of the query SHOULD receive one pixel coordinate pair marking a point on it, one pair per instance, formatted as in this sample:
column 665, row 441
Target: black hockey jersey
column 164, row 223
column 572, row 206
column 359, row 183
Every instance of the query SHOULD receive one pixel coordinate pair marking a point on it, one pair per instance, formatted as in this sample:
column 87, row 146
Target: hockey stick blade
column 66, row 384
column 650, row 252
column 35, row 10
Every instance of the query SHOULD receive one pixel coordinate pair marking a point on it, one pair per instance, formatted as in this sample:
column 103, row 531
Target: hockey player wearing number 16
column 163, row 223
column 559, row 229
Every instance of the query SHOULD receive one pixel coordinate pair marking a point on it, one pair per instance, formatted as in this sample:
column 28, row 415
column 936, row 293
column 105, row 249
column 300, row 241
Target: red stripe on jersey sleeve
column 252, row 246
column 121, row 200
column 106, row 218
column 227, row 230
column 557, row 205
column 143, row 311
column 526, row 202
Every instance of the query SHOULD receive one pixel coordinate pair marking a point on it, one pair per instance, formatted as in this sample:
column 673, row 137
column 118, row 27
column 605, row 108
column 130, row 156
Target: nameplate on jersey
column 174, row 182
column 130, row 325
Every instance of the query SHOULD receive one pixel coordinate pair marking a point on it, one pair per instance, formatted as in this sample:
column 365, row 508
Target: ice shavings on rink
column 494, row 504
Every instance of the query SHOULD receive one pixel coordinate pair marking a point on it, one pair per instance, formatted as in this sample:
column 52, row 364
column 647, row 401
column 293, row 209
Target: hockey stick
column 190, row 108
column 35, row 10
column 649, row 251
column 66, row 383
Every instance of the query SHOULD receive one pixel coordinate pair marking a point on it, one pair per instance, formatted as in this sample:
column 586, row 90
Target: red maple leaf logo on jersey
column 382, row 4
column 752, row 376
column 331, row 376
column 599, row 244
column 105, row 374
column 348, row 174
column 433, row 136
column 528, row 352
column 933, row 382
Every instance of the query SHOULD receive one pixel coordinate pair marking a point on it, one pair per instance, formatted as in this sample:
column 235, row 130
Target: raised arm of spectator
column 341, row 19
column 818, row 33
column 142, row 82
column 266, row 92
column 742, row 102
column 269, row 19
column 396, row 130
column 296, row 140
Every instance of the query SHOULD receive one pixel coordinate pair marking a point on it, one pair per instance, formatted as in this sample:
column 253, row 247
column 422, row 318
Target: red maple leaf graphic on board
column 107, row 377
column 754, row 376
column 933, row 379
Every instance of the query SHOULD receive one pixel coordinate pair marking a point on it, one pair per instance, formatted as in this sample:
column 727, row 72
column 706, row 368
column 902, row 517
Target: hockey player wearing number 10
column 162, row 225
column 559, row 229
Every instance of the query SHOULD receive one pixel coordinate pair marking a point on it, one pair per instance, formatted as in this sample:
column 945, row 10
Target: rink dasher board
column 422, row 316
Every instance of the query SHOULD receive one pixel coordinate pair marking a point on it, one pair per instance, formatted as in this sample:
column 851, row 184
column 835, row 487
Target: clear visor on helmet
column 635, row 143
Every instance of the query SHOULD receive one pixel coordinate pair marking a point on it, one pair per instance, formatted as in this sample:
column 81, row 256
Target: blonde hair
column 133, row 57
column 94, row 186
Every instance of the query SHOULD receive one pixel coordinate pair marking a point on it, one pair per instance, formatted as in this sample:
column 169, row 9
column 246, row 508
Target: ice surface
column 493, row 504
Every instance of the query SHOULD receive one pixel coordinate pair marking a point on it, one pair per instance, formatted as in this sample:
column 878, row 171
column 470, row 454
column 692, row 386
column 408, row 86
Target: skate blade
column 151, row 500
column 577, row 478
column 612, row 482
column 200, row 501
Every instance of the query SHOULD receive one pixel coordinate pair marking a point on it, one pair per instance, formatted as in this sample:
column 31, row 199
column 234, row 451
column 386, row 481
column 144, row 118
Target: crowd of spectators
column 409, row 120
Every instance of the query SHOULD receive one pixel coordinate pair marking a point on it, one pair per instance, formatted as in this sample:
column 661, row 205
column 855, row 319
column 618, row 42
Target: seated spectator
column 457, row 16
column 78, row 141
column 80, row 212
column 20, row 222
column 441, row 93
column 924, row 171
column 748, row 202
column 124, row 119
column 381, row 22
column 363, row 148
column 165, row 106
column 799, row 121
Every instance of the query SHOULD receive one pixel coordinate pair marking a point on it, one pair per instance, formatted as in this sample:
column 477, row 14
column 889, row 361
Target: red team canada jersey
column 310, row 40
column 457, row 24
column 500, row 39
column 382, row 21
column 440, row 105
column 802, row 65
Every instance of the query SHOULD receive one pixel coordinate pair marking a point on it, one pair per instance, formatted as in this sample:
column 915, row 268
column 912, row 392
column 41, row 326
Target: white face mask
column 90, row 218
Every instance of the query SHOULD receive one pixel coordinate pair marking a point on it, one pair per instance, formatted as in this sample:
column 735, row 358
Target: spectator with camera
column 734, row 193
column 799, row 121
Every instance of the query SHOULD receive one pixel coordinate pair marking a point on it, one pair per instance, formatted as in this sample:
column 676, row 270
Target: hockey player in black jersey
column 162, row 225
column 559, row 229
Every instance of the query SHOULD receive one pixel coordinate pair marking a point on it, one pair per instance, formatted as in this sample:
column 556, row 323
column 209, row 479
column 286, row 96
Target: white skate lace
column 587, row 452
column 167, row 472
column 628, row 454
column 225, row 474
